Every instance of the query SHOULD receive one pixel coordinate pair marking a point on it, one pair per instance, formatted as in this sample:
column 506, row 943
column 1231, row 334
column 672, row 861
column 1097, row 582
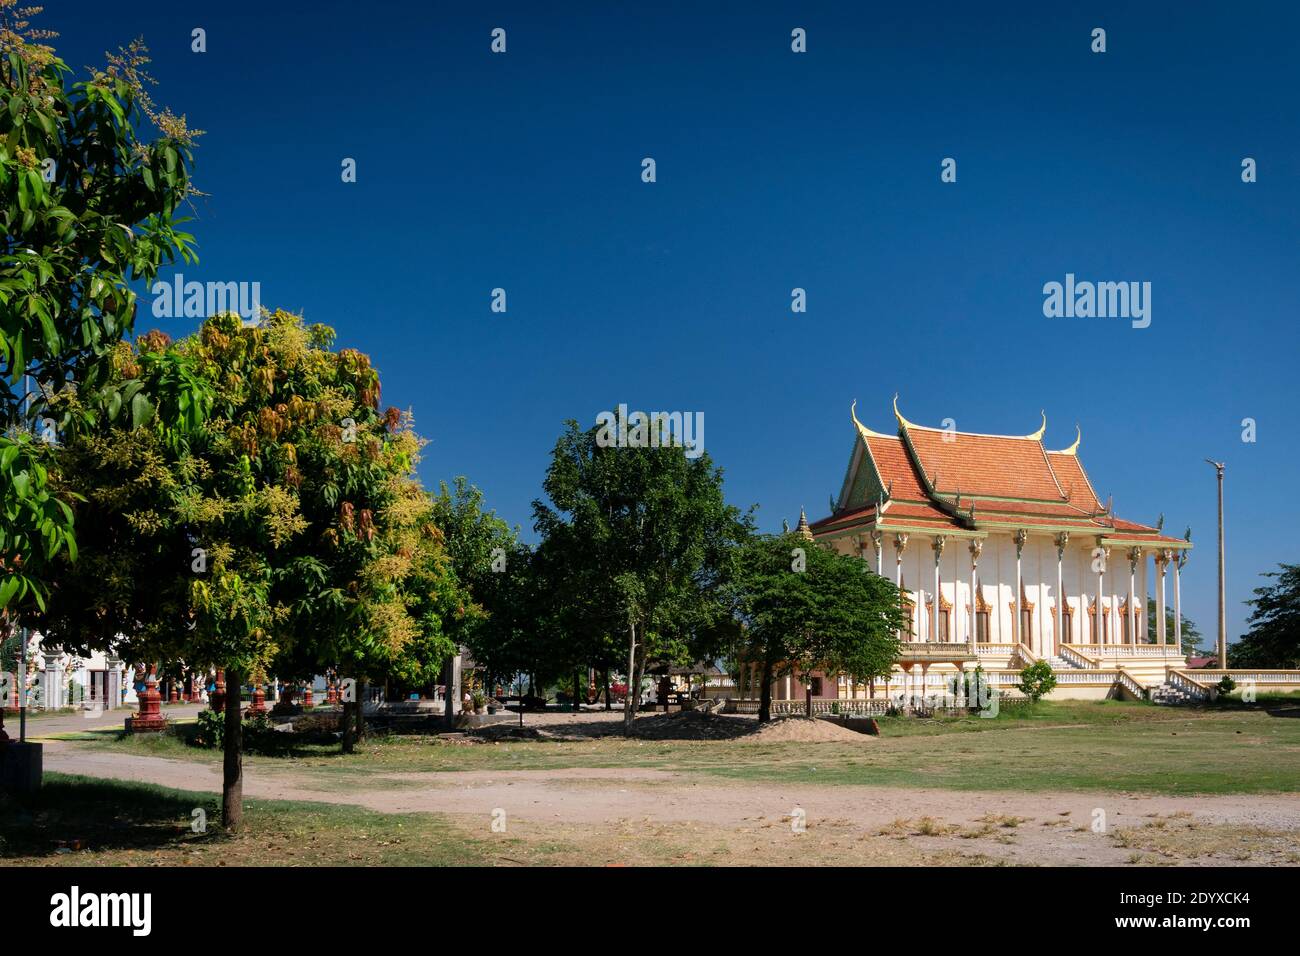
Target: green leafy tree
column 1037, row 681
column 645, row 535
column 1273, row 640
column 805, row 608
column 276, row 526
column 89, row 205
column 494, row 566
column 1192, row 636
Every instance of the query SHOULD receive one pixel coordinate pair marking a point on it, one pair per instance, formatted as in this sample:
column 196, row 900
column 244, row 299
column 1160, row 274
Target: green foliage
column 495, row 568
column 36, row 525
column 1037, row 681
column 211, row 730
column 807, row 608
column 1192, row 636
column 88, row 205
column 1226, row 685
column 635, row 541
column 1274, row 637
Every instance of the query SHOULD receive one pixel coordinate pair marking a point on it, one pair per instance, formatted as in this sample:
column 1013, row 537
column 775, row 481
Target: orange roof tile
column 985, row 464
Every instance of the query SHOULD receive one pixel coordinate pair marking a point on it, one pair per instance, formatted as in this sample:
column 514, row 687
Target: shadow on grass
column 71, row 812
column 182, row 740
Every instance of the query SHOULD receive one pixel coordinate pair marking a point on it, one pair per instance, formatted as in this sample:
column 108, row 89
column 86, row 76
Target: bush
column 1226, row 686
column 211, row 732
column 1037, row 681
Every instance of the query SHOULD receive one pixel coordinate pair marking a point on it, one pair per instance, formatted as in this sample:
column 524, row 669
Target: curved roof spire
column 1042, row 429
column 1073, row 449
column 863, row 430
column 902, row 422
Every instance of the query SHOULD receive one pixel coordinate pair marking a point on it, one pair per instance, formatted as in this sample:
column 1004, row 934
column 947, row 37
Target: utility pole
column 26, row 636
column 1223, row 613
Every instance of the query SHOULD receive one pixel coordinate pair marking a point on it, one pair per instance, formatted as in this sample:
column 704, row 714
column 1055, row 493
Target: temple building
column 1004, row 555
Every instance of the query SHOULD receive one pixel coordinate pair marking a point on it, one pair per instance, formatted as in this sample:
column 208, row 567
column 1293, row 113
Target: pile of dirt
column 805, row 730
column 692, row 725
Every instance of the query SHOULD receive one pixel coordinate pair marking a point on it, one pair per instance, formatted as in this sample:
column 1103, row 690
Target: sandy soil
column 1000, row 826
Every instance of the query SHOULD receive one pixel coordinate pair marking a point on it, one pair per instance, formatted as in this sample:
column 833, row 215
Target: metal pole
column 1223, row 612
column 26, row 635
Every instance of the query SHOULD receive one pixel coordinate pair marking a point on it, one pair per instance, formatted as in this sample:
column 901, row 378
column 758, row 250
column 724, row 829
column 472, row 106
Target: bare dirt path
column 592, row 795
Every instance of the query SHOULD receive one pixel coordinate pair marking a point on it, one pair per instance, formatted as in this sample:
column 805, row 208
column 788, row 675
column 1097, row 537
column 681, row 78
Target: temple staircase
column 1059, row 663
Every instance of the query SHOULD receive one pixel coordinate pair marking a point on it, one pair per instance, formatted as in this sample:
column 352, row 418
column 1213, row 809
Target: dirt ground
column 679, row 725
column 631, row 810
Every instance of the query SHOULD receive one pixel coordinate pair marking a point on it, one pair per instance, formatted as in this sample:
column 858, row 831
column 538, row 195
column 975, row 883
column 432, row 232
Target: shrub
column 1226, row 686
column 1037, row 681
column 211, row 732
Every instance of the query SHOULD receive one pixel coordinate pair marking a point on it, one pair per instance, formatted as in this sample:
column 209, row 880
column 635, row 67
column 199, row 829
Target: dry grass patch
column 1179, row 837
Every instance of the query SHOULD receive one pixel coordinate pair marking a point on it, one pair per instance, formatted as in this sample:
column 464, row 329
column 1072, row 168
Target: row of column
column 1101, row 555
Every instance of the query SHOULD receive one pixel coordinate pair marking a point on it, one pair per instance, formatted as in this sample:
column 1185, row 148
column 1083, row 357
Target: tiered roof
column 937, row 480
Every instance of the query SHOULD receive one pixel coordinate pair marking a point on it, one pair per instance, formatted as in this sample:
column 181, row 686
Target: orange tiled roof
column 930, row 478
column 989, row 465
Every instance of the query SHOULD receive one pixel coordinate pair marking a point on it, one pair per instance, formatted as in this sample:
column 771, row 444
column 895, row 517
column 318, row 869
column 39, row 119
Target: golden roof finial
column 863, row 430
column 802, row 529
column 1073, row 449
column 902, row 422
column 1042, row 429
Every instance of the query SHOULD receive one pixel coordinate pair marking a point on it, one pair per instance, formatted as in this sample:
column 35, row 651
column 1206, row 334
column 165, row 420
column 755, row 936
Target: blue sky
column 775, row 171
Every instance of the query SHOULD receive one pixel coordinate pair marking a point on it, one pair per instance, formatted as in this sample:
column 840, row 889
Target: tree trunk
column 362, row 692
column 605, row 677
column 349, row 729
column 232, row 771
column 765, row 694
column 577, row 679
column 639, row 676
column 807, row 690
column 628, row 712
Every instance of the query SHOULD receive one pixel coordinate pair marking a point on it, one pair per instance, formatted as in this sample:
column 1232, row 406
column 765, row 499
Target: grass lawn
column 89, row 822
column 1067, row 745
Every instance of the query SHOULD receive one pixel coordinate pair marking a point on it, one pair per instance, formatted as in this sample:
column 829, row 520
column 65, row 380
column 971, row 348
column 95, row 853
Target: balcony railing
column 936, row 651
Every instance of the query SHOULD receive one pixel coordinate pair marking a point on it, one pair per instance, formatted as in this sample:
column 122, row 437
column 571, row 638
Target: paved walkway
column 41, row 725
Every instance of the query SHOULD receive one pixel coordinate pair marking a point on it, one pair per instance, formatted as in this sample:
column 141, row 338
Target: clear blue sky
column 775, row 170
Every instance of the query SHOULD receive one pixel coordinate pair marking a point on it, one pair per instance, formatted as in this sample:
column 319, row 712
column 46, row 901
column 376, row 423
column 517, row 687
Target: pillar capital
column 1134, row 557
column 900, row 544
column 937, row 544
column 1062, row 539
column 1020, row 538
column 976, row 549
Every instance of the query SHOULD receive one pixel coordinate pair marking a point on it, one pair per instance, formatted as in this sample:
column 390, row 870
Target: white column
column 1133, row 556
column 1178, row 605
column 52, row 682
column 456, row 676
column 877, row 540
column 1062, row 540
column 1161, row 561
column 1021, row 536
column 1098, row 621
column 976, row 546
column 112, row 682
column 937, row 544
column 900, row 545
